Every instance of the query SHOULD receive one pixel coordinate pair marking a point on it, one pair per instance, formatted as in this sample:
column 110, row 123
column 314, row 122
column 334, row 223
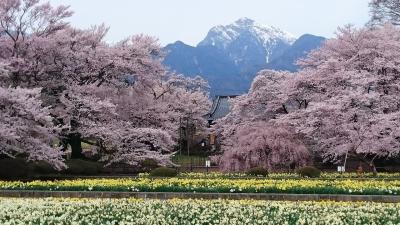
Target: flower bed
column 217, row 185
column 335, row 175
column 133, row 211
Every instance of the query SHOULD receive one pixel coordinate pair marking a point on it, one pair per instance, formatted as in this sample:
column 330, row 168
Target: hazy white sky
column 190, row 20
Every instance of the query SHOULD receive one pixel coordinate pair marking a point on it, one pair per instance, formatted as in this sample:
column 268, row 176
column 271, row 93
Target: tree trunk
column 76, row 146
column 374, row 171
column 371, row 165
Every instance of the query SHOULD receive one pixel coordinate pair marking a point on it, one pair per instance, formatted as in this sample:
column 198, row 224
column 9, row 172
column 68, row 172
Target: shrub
column 11, row 169
column 148, row 165
column 257, row 171
column 309, row 171
column 163, row 172
column 84, row 167
column 42, row 167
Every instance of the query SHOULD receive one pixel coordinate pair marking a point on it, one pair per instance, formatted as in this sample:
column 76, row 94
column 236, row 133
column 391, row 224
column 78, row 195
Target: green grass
column 185, row 160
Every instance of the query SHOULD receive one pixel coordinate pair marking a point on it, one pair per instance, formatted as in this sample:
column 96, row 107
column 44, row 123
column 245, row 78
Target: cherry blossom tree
column 149, row 123
column 99, row 93
column 262, row 144
column 383, row 11
column 248, row 136
column 351, row 86
column 343, row 103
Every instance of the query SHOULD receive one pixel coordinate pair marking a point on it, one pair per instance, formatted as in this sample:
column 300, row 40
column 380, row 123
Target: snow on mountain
column 223, row 36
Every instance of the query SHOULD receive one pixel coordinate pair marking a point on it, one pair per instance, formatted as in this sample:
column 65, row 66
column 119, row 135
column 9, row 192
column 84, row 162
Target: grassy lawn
column 185, row 160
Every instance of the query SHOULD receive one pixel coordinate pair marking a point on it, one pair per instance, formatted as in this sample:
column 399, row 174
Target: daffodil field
column 15, row 211
column 47, row 211
column 216, row 185
column 334, row 175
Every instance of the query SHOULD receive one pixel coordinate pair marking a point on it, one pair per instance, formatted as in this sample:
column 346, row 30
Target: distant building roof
column 220, row 107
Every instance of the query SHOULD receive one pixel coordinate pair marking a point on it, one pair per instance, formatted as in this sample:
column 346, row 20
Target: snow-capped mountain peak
column 222, row 36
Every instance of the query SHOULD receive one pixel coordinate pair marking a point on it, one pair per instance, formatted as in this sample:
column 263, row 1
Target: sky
column 190, row 20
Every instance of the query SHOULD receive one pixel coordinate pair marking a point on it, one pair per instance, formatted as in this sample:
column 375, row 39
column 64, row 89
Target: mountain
column 209, row 62
column 230, row 56
column 298, row 50
column 248, row 44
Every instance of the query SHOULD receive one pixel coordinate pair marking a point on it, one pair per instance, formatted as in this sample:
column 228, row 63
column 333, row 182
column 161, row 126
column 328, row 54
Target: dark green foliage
column 257, row 171
column 148, row 165
column 11, row 169
column 164, row 172
column 82, row 167
column 42, row 168
column 309, row 171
